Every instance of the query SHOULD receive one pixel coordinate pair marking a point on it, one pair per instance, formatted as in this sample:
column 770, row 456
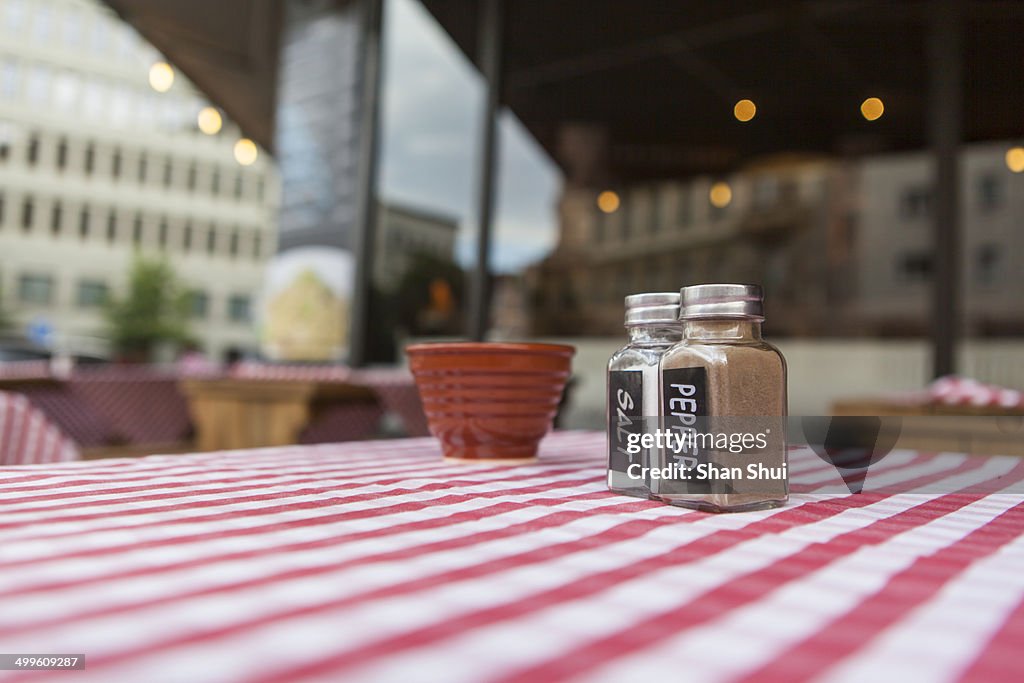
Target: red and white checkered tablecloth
column 376, row 561
column 28, row 437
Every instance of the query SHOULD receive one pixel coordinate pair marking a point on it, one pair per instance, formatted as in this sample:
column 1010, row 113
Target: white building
column 96, row 165
column 893, row 234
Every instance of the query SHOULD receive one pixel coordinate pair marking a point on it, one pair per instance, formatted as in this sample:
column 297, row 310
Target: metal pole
column 945, row 70
column 489, row 45
column 363, row 237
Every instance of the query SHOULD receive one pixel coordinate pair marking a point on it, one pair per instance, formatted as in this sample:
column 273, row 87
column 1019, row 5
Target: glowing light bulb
column 246, row 152
column 720, row 195
column 209, row 120
column 1015, row 159
column 161, row 76
column 744, row 110
column 608, row 201
column 872, row 108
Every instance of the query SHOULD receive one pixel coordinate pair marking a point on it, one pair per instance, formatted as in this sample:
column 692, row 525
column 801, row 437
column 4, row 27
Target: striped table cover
column 376, row 561
column 28, row 437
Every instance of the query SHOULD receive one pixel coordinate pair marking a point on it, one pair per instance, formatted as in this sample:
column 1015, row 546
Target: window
column 91, row 293
column 987, row 264
column 766, row 192
column 600, row 227
column 99, row 34
column 211, row 239
column 162, row 233
column 238, row 186
column 111, row 225
column 35, row 289
column 916, row 202
column 137, row 229
column 55, row 215
column 115, row 164
column 42, row 23
column 259, row 188
column 72, row 28
column 27, row 210
column 186, row 241
column 200, row 304
column 638, row 213
column 256, row 247
column 657, row 213
column 914, row 267
column 38, row 90
column 191, row 182
column 142, row 168
column 94, row 98
column 32, row 153
column 215, row 183
column 83, row 223
column 168, row 173
column 66, row 87
column 233, row 244
column 683, row 207
column 62, row 153
column 239, row 308
column 14, row 15
column 990, row 192
column 90, row 158
column 1, row 209
column 9, row 79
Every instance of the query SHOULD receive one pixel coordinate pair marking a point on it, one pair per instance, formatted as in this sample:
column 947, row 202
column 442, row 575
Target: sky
column 433, row 97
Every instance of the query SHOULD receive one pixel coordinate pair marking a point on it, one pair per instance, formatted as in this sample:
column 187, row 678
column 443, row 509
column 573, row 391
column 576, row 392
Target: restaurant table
column 378, row 561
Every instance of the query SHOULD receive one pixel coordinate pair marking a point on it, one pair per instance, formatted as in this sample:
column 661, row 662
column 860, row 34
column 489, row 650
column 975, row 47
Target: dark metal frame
column 944, row 122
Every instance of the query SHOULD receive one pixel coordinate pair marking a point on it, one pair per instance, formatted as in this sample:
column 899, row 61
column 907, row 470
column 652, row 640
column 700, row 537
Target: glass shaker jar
column 724, row 387
column 652, row 321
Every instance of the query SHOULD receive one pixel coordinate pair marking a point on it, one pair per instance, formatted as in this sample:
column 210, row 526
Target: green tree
column 154, row 310
column 5, row 319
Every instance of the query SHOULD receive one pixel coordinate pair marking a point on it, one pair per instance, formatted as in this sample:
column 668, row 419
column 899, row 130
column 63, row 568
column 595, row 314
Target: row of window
column 653, row 216
column 90, row 158
column 990, row 195
column 37, row 289
column 116, row 226
column 44, row 22
column 97, row 98
column 917, row 266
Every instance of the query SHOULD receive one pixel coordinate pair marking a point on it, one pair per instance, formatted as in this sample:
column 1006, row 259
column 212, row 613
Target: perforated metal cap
column 704, row 302
column 652, row 307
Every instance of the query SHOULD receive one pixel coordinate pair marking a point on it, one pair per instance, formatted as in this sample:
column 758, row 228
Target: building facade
column 772, row 229
column 842, row 248
column 893, row 237
column 96, row 166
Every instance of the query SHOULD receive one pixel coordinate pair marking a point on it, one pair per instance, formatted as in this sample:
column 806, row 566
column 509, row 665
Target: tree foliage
column 153, row 310
column 5, row 319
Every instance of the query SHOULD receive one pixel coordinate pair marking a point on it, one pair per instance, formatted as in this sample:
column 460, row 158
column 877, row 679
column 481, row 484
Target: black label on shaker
column 685, row 410
column 625, row 416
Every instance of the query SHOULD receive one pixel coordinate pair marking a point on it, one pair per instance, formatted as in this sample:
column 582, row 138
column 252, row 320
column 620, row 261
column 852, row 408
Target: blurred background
column 239, row 187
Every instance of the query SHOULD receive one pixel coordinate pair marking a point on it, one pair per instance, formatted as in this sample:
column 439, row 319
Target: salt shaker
column 652, row 321
column 724, row 387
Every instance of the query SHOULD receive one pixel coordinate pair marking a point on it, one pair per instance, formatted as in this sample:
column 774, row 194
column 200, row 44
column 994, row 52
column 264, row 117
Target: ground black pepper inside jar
column 725, row 387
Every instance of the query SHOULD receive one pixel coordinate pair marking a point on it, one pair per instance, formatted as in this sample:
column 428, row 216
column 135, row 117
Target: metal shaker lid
column 703, row 302
column 652, row 308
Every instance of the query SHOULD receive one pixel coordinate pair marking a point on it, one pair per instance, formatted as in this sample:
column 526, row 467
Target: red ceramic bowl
column 490, row 401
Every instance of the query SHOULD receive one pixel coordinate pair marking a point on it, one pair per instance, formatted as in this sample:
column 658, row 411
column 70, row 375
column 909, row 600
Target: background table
column 377, row 561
